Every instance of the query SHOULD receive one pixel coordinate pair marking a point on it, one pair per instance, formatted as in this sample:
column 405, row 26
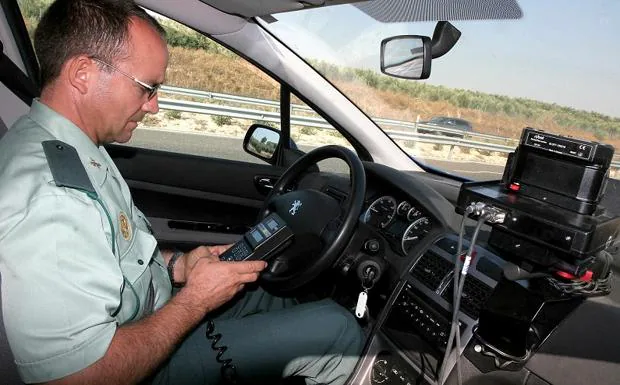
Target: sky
column 561, row 51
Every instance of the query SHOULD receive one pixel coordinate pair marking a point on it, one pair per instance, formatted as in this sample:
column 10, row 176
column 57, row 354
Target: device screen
column 263, row 230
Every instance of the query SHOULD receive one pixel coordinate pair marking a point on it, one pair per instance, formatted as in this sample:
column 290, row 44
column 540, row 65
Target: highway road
column 231, row 148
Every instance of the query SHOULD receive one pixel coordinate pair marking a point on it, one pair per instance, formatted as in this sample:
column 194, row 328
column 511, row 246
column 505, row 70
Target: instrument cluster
column 403, row 224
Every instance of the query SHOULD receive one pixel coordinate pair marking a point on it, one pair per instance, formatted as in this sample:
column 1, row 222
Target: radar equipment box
column 559, row 170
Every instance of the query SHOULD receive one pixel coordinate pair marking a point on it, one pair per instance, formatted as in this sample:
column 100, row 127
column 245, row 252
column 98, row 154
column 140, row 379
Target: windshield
column 552, row 68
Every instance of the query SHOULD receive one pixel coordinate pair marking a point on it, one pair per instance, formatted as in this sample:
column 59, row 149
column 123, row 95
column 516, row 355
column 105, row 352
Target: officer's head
column 101, row 64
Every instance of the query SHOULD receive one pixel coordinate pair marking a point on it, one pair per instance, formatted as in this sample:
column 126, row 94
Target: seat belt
column 15, row 80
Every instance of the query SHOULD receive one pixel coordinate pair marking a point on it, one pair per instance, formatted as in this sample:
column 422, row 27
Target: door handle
column 266, row 182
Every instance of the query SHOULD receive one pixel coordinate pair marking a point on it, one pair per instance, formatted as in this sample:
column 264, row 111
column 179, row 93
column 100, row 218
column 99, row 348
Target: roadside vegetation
column 199, row 63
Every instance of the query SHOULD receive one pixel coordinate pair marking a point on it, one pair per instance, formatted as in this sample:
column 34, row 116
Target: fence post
column 450, row 151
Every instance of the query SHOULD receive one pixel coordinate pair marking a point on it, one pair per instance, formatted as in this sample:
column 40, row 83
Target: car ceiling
column 388, row 11
column 251, row 8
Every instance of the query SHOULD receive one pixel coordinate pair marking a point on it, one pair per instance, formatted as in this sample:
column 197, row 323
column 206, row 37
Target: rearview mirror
column 406, row 56
column 261, row 141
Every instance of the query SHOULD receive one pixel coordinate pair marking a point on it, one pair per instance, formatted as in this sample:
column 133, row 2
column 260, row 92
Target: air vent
column 431, row 269
column 475, row 294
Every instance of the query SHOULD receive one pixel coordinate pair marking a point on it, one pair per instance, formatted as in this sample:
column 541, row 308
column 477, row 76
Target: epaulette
column 66, row 166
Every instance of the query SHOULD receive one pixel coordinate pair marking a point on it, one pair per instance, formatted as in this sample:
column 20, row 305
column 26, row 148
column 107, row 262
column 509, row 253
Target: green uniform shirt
column 64, row 289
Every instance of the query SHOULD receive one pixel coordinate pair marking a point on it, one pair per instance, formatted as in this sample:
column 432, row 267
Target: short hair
column 95, row 28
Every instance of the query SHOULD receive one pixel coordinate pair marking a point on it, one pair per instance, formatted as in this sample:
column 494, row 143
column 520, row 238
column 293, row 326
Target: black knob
column 372, row 246
column 344, row 269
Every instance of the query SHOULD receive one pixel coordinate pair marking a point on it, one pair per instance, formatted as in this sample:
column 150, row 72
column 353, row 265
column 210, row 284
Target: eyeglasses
column 150, row 89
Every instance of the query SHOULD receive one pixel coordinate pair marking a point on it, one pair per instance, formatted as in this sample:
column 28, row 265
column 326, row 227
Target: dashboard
column 412, row 318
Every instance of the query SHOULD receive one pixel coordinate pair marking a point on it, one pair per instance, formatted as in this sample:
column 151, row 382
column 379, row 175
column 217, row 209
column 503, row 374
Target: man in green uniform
column 85, row 290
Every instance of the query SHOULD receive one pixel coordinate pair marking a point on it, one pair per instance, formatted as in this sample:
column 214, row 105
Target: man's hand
column 212, row 284
column 209, row 282
column 186, row 262
column 210, row 253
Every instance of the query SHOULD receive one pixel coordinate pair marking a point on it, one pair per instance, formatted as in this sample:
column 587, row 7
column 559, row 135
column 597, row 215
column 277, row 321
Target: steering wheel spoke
column 330, row 232
column 322, row 226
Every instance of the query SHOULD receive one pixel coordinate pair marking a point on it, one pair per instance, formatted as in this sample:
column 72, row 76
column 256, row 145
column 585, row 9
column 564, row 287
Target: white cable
column 469, row 210
column 459, row 274
column 459, row 293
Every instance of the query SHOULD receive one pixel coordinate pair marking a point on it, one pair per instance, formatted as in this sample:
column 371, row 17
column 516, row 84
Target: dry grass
column 218, row 73
column 221, row 73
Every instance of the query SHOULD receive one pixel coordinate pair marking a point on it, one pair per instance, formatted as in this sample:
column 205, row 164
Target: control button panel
column 416, row 316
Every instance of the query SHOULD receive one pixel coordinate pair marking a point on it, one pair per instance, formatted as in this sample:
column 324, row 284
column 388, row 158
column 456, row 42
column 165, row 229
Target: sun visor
column 254, row 8
column 396, row 11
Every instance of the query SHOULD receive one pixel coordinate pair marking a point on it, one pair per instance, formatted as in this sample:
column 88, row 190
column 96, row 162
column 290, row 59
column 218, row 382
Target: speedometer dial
column 414, row 233
column 381, row 212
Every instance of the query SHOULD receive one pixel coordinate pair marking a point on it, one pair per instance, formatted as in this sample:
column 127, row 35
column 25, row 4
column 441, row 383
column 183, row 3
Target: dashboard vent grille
column 431, row 269
column 475, row 294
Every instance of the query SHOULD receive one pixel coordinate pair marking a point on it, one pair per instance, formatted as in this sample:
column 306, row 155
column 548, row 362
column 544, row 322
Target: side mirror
column 406, row 56
column 261, row 141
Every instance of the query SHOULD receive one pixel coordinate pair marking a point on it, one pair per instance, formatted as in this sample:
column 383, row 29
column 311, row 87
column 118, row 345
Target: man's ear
column 81, row 73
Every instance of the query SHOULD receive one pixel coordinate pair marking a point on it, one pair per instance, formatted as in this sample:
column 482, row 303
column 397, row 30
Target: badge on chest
column 124, row 226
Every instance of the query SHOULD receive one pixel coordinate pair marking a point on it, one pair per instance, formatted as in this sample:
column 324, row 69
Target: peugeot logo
column 295, row 207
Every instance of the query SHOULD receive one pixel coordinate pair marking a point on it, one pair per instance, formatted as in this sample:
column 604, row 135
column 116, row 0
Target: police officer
column 86, row 292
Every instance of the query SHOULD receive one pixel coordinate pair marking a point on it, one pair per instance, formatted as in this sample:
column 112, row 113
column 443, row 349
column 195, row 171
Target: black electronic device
column 262, row 241
column 573, row 236
column 546, row 218
column 516, row 319
column 563, row 171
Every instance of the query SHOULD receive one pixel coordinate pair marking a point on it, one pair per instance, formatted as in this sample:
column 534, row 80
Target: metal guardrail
column 302, row 108
column 274, row 117
column 236, row 112
column 318, row 122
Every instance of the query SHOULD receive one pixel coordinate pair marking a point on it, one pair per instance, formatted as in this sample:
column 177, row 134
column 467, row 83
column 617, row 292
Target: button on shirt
column 73, row 269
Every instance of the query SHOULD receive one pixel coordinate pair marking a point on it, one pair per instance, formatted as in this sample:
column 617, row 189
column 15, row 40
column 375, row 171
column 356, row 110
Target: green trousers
column 269, row 338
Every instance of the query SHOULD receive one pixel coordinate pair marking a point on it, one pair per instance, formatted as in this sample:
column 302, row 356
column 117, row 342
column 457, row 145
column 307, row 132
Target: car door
column 192, row 200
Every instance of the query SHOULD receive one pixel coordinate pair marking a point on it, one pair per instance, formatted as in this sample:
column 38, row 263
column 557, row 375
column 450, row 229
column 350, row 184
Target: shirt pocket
column 134, row 264
column 161, row 281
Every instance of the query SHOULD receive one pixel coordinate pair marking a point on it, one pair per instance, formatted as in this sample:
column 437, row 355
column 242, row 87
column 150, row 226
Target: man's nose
column 152, row 105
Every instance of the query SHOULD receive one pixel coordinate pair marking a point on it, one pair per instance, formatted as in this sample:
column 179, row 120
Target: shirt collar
column 63, row 129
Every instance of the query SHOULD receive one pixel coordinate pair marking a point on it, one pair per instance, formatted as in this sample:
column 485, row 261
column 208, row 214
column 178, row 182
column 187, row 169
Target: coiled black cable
column 228, row 371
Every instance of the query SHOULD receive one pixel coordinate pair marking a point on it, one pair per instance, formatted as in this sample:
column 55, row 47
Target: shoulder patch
column 66, row 166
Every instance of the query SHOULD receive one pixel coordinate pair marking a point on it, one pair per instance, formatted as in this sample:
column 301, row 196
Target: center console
column 412, row 338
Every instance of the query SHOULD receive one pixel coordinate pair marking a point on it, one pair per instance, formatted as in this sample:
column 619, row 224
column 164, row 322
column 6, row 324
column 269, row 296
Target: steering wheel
column 321, row 225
